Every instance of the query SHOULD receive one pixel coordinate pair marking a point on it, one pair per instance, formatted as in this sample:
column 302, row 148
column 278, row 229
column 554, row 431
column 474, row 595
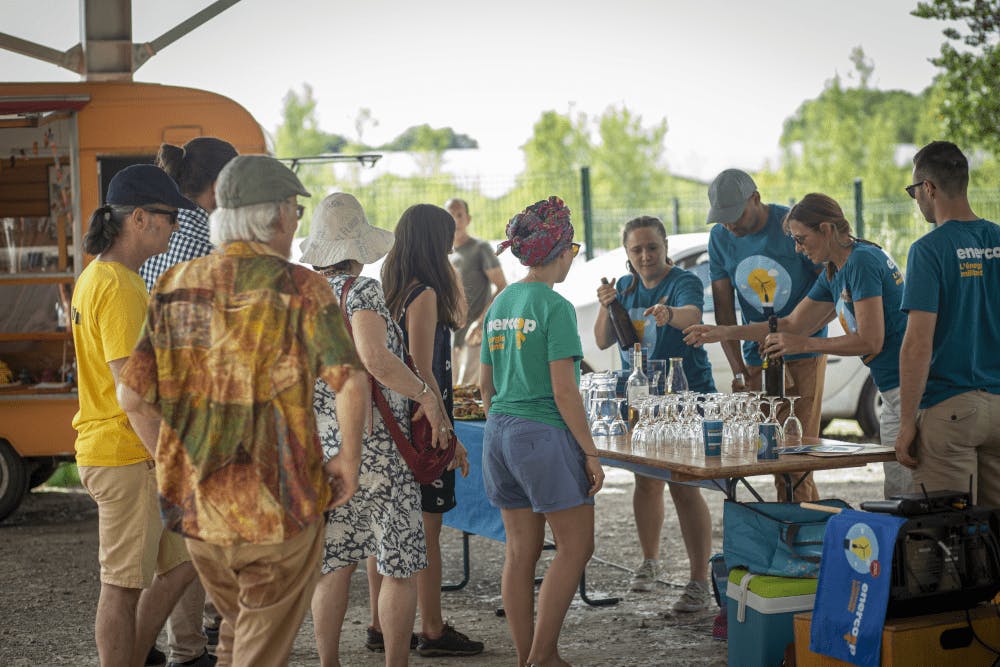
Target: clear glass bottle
column 676, row 379
column 637, row 387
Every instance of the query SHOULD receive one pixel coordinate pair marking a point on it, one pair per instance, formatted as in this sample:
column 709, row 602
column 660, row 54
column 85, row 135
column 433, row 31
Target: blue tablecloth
column 474, row 513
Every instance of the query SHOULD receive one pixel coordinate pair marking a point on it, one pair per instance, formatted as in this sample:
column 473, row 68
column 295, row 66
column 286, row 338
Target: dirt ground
column 49, row 579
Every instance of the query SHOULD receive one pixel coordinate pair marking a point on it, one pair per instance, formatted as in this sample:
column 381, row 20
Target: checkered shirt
column 189, row 240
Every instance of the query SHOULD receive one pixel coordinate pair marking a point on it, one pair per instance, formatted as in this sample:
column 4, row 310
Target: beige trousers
column 262, row 592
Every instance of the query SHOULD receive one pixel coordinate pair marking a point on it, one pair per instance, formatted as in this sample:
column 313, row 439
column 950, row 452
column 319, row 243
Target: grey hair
column 256, row 222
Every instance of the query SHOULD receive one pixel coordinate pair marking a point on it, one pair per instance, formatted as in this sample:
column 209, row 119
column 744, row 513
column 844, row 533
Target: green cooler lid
column 773, row 587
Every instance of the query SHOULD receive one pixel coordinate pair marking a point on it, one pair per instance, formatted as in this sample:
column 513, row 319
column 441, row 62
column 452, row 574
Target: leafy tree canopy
column 847, row 132
column 299, row 133
column 970, row 64
column 425, row 138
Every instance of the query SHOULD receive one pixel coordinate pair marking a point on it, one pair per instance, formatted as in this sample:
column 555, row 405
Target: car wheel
column 13, row 479
column 43, row 470
column 869, row 409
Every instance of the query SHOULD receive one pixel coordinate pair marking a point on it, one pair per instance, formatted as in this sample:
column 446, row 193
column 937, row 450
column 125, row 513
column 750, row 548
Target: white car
column 849, row 392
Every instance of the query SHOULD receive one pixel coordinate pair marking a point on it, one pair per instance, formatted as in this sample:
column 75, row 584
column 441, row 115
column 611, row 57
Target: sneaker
column 374, row 641
column 697, row 596
column 645, row 576
column 155, row 658
column 206, row 659
column 451, row 642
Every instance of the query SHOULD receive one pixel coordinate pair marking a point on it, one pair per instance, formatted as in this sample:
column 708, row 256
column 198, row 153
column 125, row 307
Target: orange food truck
column 60, row 144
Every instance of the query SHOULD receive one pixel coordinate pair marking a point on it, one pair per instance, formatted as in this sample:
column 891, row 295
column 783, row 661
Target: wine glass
column 617, row 429
column 792, row 429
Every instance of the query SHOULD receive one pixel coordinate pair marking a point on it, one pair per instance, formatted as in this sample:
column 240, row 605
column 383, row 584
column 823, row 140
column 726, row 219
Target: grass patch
column 66, row 476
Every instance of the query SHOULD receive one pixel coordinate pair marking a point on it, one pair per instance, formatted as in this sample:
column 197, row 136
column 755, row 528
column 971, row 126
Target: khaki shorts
column 133, row 543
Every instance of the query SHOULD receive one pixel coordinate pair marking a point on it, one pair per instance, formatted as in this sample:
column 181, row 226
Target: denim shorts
column 531, row 464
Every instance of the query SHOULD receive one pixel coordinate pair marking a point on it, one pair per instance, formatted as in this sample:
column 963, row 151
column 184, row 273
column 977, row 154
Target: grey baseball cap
column 255, row 179
column 728, row 195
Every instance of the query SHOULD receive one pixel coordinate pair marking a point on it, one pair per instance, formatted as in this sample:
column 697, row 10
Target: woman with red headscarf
column 540, row 464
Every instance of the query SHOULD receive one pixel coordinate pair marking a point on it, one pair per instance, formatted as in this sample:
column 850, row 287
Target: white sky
column 724, row 74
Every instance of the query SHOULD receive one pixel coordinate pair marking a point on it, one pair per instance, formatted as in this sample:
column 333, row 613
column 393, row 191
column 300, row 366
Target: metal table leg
column 465, row 566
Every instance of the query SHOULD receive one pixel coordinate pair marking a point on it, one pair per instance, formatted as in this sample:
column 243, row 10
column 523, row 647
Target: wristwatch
column 738, row 377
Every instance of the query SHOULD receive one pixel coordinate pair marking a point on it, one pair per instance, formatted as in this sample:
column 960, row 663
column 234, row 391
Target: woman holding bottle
column 540, row 465
column 863, row 287
column 663, row 299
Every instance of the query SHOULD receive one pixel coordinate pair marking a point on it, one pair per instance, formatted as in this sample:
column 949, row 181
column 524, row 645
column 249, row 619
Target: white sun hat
column 340, row 230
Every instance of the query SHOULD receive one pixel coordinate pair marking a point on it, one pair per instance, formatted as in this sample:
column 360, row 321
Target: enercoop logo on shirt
column 970, row 260
column 519, row 325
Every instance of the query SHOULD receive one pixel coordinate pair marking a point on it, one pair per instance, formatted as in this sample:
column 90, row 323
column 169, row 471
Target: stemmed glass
column 600, row 419
column 792, row 429
column 617, row 429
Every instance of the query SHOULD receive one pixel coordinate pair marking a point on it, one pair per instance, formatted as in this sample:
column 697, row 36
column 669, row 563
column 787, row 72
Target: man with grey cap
column 231, row 349
column 749, row 252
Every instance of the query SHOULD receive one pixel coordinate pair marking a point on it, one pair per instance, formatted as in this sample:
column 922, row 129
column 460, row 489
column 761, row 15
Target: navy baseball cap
column 144, row 184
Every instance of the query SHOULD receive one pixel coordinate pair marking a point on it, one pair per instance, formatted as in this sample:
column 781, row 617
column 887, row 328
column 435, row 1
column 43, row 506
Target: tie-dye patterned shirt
column 230, row 352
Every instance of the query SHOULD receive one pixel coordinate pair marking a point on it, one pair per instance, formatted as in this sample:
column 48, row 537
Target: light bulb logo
column 764, row 282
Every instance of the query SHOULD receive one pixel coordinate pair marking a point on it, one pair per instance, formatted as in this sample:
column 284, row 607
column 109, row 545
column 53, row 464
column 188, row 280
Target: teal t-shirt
column 678, row 288
column 869, row 272
column 527, row 326
column 759, row 264
column 954, row 271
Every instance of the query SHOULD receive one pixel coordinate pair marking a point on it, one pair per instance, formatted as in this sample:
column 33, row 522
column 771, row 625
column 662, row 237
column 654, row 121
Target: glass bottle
column 637, row 387
column 773, row 367
column 621, row 323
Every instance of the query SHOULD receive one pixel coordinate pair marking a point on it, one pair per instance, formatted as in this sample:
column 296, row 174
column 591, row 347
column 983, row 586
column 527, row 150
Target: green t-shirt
column 527, row 326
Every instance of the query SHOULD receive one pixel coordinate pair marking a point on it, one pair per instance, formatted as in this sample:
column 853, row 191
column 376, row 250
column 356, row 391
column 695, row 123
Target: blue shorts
column 531, row 464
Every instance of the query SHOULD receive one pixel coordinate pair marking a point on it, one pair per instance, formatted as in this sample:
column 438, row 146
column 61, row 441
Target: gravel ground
column 48, row 550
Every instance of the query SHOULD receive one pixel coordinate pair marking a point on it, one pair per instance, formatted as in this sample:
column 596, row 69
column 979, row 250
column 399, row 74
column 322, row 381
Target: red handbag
column 426, row 462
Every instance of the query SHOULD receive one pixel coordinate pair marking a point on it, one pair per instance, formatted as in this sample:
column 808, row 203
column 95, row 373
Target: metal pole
column 859, row 209
column 677, row 215
column 588, row 214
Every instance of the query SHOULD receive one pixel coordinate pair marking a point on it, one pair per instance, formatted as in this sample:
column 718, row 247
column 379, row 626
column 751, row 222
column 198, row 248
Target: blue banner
column 855, row 577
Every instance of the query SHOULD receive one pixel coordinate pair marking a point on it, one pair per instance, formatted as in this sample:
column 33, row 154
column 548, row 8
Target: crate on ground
column 935, row 639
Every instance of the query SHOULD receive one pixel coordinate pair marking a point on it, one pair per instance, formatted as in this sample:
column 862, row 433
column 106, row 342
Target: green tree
column 627, row 165
column 846, row 133
column 299, row 135
column 970, row 63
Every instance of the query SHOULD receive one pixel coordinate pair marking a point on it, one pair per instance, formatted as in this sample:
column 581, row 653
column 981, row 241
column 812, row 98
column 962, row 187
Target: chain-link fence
column 893, row 223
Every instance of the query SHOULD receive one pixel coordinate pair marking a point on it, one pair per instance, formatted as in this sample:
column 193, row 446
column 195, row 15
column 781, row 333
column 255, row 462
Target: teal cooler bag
column 777, row 539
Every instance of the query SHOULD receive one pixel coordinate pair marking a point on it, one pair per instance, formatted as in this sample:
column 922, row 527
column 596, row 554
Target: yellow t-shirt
column 109, row 308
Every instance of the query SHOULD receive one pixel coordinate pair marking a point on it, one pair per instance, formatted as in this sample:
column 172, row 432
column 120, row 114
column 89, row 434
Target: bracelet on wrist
column 423, row 390
column 670, row 314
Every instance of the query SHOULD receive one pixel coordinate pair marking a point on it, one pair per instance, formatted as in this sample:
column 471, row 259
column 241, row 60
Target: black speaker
column 944, row 560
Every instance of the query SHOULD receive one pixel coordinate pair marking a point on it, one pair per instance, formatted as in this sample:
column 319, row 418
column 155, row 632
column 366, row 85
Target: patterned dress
column 383, row 518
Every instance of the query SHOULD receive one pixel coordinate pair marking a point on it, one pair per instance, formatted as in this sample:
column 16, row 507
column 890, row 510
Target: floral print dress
column 383, row 519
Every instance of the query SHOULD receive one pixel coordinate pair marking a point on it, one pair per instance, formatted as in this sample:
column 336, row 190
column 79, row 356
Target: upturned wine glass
column 792, row 428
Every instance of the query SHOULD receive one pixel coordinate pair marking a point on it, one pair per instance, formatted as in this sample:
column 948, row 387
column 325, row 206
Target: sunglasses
column 574, row 248
column 799, row 239
column 912, row 189
column 160, row 211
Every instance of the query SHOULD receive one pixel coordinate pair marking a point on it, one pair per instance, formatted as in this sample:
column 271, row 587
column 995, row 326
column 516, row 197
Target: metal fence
column 893, row 223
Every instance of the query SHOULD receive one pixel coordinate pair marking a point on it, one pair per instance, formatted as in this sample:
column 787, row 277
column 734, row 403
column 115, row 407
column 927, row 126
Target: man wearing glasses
column 949, row 367
column 232, row 348
column 749, row 252
column 109, row 305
